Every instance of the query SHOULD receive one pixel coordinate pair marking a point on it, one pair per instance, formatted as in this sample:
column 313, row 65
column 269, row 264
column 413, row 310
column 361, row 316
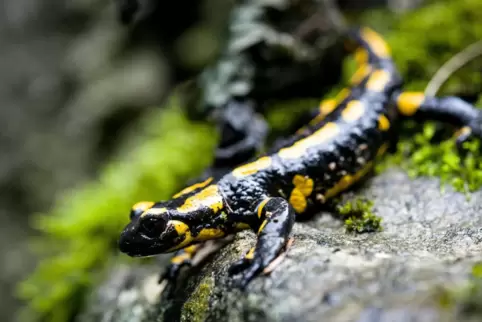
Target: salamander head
column 163, row 227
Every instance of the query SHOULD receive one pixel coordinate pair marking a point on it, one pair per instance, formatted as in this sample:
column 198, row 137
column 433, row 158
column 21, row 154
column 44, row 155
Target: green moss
column 359, row 217
column 477, row 270
column 196, row 307
column 79, row 234
column 422, row 158
column 465, row 300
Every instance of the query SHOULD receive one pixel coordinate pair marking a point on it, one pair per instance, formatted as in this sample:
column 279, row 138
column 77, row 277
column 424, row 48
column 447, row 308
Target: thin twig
column 451, row 66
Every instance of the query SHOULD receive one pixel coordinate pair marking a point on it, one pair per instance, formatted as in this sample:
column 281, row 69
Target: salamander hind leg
column 277, row 218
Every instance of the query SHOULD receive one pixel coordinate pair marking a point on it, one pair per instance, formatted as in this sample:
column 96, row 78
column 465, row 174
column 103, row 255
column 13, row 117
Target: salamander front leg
column 452, row 110
column 180, row 259
column 277, row 219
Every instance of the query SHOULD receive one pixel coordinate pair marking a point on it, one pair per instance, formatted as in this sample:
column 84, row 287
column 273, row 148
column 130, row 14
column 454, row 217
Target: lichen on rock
column 196, row 308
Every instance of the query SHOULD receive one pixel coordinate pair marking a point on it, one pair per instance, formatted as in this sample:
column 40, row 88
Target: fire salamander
column 327, row 156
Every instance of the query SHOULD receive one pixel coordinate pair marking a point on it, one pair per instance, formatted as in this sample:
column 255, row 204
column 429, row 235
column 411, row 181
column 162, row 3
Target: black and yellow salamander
column 337, row 149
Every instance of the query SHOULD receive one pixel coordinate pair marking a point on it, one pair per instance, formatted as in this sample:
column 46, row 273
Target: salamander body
column 335, row 150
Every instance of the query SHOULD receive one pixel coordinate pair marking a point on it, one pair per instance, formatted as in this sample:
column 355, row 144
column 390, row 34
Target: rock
column 430, row 242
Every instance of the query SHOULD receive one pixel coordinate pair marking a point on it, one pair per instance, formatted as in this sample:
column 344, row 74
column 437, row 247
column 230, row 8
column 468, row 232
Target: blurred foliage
column 80, row 233
column 466, row 300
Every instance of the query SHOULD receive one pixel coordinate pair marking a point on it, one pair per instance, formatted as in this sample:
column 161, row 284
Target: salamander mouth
column 140, row 249
column 134, row 244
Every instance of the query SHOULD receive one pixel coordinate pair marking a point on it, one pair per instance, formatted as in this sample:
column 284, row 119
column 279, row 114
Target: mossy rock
column 430, row 242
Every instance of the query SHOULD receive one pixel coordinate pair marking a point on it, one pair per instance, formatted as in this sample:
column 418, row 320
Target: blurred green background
column 89, row 124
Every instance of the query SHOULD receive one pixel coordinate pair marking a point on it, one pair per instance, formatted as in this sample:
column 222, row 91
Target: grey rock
column 430, row 242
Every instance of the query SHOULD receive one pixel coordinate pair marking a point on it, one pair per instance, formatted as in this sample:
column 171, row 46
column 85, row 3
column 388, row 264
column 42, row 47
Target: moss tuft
column 79, row 235
column 359, row 217
column 419, row 157
column 196, row 307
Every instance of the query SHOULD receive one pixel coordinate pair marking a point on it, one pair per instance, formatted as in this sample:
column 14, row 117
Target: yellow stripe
column 378, row 80
column 328, row 131
column 376, row 43
column 261, row 206
column 262, row 226
column 252, row 168
column 250, row 254
column 193, row 187
column 353, row 111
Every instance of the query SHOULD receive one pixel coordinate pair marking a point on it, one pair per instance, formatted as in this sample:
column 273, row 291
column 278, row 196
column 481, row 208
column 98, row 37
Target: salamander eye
column 153, row 227
column 139, row 208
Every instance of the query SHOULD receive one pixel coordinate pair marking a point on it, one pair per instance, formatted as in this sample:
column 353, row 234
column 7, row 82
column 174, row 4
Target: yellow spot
column 242, row 226
column 298, row 201
column 209, row 233
column 250, row 254
column 378, row 80
column 262, row 226
column 182, row 230
column 327, row 132
column 340, row 97
column 252, row 168
column 143, row 205
column 376, row 43
column 347, row 181
column 303, row 188
column 193, row 187
column 361, row 56
column 360, row 74
column 261, row 206
column 409, row 102
column 180, row 227
column 181, row 258
column 191, row 249
column 303, row 184
column 208, row 197
column 353, row 111
column 383, row 123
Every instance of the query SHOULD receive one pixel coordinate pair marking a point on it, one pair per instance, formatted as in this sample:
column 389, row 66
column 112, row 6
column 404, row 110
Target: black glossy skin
column 301, row 174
